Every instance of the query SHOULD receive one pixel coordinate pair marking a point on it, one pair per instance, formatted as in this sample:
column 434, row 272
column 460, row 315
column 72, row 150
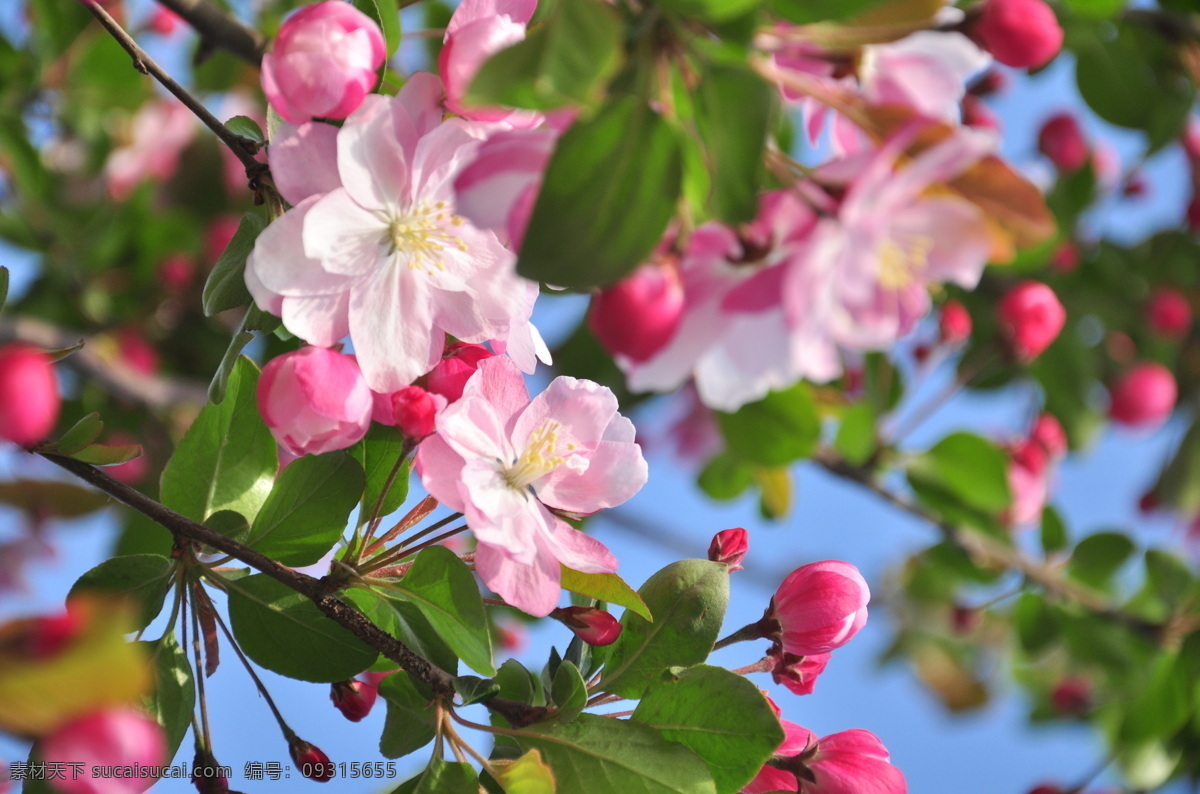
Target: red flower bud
column 48, row 636
column 799, row 673
column 955, row 323
column 1193, row 214
column 638, row 316
column 819, row 607
column 964, row 619
column 310, row 761
column 1030, row 319
column 454, row 370
column 1169, row 314
column 730, row 546
column 593, row 626
column 1062, row 141
column 1065, row 258
column 1021, row 33
column 1048, row 432
column 1144, row 396
column 353, row 698
column 203, row 764
column 414, row 411
column 164, row 21
column 29, row 397
column 1072, row 697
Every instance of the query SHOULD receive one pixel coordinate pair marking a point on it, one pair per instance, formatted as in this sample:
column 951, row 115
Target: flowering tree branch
column 319, row 591
column 219, row 30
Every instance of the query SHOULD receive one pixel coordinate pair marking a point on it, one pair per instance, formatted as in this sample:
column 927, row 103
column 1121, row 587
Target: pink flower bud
column 638, row 316
column 1169, row 314
column 477, row 31
column 730, row 546
column 323, row 62
column 130, row 472
column 1144, row 396
column 49, row 636
column 1048, row 432
column 354, row 698
column 820, row 606
column 450, row 375
column 799, row 673
column 414, row 411
column 1062, row 141
column 1024, row 34
column 955, row 323
column 29, row 397
column 310, row 761
column 164, row 21
column 853, row 760
column 115, row 736
column 1065, row 258
column 1029, row 483
column 1030, row 319
column 314, row 400
column 175, row 272
column 136, row 351
column 593, row 626
column 1072, row 697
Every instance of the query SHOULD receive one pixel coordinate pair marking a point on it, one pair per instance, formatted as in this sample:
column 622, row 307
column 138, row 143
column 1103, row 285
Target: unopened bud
column 353, row 698
column 1072, row 697
column 1031, row 318
column 593, row 626
column 798, row 673
column 954, row 325
column 414, row 411
column 310, row 761
column 204, row 767
column 730, row 546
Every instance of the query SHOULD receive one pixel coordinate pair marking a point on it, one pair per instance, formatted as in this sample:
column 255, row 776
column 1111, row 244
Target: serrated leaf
column 404, row 621
column 142, row 578
column 688, row 600
column 444, row 777
column 607, row 587
column 378, row 453
column 472, row 688
column 227, row 460
column 283, row 631
column 226, row 284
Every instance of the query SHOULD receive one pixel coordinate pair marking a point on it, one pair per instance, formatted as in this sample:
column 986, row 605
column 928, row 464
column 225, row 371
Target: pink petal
column 318, row 319
column 391, row 324
column 531, row 588
column 279, row 262
column 371, row 158
column 580, row 551
column 582, row 407
column 348, row 239
column 440, row 468
column 303, row 160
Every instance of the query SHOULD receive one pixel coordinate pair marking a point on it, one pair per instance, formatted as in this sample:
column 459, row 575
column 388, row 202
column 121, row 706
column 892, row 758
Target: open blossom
column 504, row 461
column 820, row 607
column 158, row 134
column 478, row 30
column 374, row 247
column 926, row 71
column 323, row 62
column 849, row 762
column 120, row 736
column 498, row 189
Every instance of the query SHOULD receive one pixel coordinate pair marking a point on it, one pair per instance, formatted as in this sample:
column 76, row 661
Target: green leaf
column 387, row 14
column 247, row 128
column 307, row 509
column 565, row 61
column 607, row 587
column 378, row 453
column 804, row 12
column 517, row 683
column 472, row 688
column 283, row 631
column 688, row 600
column 409, row 725
column 726, row 476
column 227, row 459
column 627, row 756
column 1097, row 557
column 108, row 454
column 969, row 467
column 1035, row 623
column 47, row 498
column 142, row 578
column 174, row 695
column 718, row 715
column 81, row 434
column 444, row 777
column 855, row 440
column 710, row 10
column 568, row 691
column 624, row 162
column 781, row 428
column 1054, row 531
column 226, row 284
column 1168, row 578
column 733, row 114
column 529, row 774
column 444, row 589
column 404, row 621
column 1160, row 705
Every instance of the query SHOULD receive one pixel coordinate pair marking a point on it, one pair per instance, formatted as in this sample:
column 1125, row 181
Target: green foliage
column 711, row 10
column 1097, row 557
column 688, row 600
column 409, row 725
column 968, row 467
column 378, row 452
column 855, row 440
column 142, row 578
column 247, row 128
column 387, row 14
column 607, row 587
column 283, row 631
column 226, row 285
column 404, row 621
column 227, row 459
column 726, row 476
column 568, row 692
column 781, row 428
column 174, row 695
column 808, row 11
column 623, row 162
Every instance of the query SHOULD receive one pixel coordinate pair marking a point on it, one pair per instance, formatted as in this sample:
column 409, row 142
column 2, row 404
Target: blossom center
column 899, row 263
column 423, row 234
column 539, row 458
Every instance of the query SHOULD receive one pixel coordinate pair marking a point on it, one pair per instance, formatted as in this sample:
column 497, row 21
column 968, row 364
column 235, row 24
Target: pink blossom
column 796, row 741
column 1020, row 33
column 926, row 71
column 954, row 324
column 164, row 21
column 1169, row 314
column 29, row 398
column 414, row 411
column 505, row 461
column 314, row 400
column 637, row 316
column 1144, row 396
column 477, row 31
column 1061, row 140
column 498, row 189
column 853, row 762
column 730, row 546
column 1030, row 319
column 450, row 375
column 1049, row 433
column 819, row 607
column 799, row 673
column 118, row 736
column 596, row 627
column 176, row 271
column 158, row 134
column 1029, row 483
column 323, row 62
column 375, row 248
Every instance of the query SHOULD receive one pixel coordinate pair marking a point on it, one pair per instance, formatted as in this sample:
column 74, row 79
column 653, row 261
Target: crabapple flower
column 849, row 762
column 158, row 134
column 1061, row 140
column 594, row 626
column 477, row 30
column 1049, row 433
column 954, row 324
column 311, row 760
column 414, row 411
column 314, row 400
column 819, row 607
column 29, row 398
column 730, row 546
column 449, row 377
column 1029, row 482
column 1144, row 396
column 498, row 189
column 1030, row 319
column 1169, row 314
column 926, row 71
column 637, row 316
column 505, row 461
column 354, row 698
column 1023, row 34
column 119, row 736
column 799, row 673
column 377, row 250
column 323, row 62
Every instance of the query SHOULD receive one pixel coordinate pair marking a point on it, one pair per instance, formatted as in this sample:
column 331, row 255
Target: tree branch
column 219, row 30
column 315, row 590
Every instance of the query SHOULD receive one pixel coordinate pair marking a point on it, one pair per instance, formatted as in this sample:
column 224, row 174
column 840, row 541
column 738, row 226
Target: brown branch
column 315, row 590
column 243, row 148
column 219, row 30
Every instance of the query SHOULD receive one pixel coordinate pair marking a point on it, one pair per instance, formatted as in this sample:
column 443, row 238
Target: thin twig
column 219, row 30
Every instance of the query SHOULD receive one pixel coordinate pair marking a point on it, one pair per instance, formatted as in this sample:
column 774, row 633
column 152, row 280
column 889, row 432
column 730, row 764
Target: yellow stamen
column 539, row 457
column 899, row 265
column 422, row 236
